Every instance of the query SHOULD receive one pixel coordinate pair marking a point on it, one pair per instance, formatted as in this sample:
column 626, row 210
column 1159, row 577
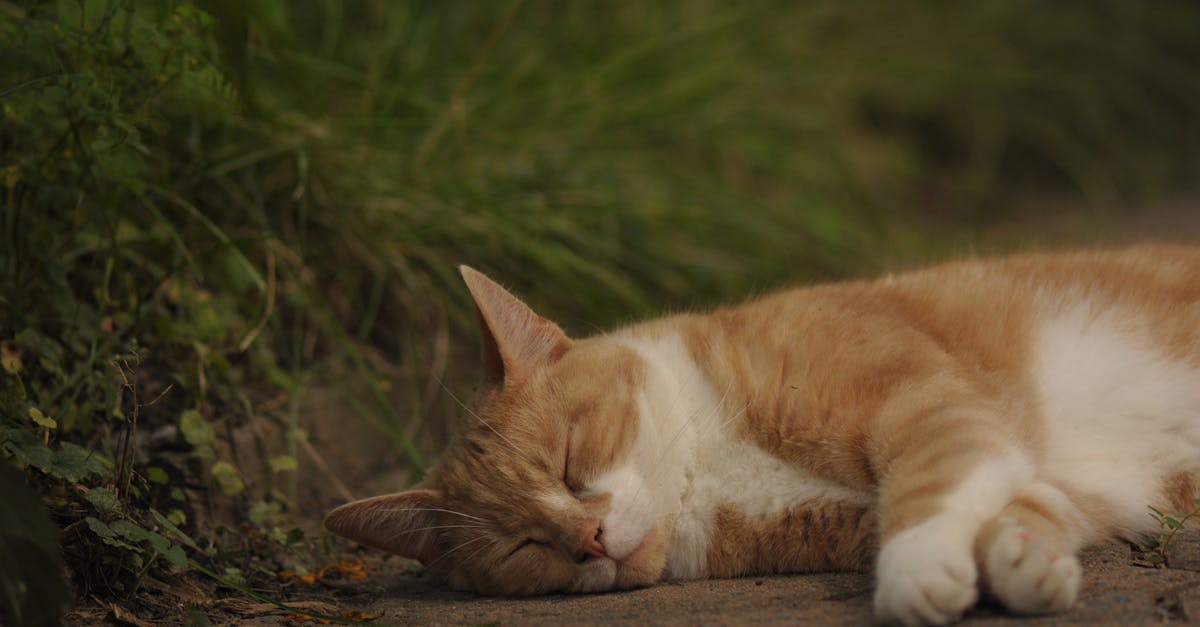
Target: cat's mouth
column 641, row 567
column 645, row 564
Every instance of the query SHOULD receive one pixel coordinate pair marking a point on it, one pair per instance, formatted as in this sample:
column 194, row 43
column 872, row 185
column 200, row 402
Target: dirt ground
column 1116, row 592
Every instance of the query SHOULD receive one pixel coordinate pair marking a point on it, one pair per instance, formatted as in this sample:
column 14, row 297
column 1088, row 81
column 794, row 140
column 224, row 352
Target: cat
column 961, row 429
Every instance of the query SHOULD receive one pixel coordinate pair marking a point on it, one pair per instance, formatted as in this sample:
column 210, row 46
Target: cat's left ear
column 406, row 523
column 516, row 340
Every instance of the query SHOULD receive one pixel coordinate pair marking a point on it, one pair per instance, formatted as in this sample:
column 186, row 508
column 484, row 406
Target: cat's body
column 972, row 424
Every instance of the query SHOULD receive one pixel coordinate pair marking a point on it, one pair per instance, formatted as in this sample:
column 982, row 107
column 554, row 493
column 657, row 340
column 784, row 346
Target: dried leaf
column 123, row 616
column 287, row 575
column 10, row 358
column 349, row 570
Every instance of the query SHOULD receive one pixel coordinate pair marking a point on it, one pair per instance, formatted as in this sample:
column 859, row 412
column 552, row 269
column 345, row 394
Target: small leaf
column 196, row 430
column 176, row 556
column 158, row 541
column 157, row 475
column 227, row 478
column 108, row 535
column 171, row 523
column 262, row 512
column 75, row 463
column 234, row 575
column 284, row 463
column 103, row 500
column 1171, row 523
column 129, row 531
column 41, row 419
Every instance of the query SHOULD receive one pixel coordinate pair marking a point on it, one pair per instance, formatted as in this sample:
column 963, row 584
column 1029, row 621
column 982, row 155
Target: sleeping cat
column 962, row 428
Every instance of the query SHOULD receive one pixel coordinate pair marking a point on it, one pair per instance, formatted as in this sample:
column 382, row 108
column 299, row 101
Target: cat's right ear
column 405, row 523
column 516, row 341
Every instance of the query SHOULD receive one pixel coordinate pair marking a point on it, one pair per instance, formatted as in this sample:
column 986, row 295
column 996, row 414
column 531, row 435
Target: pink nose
column 593, row 543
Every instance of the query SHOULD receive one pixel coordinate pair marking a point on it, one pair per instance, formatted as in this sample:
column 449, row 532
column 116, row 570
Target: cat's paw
column 1027, row 575
column 925, row 577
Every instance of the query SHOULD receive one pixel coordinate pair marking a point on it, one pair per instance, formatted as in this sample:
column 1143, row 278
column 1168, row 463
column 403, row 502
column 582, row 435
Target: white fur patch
column 686, row 462
column 1026, row 575
column 1121, row 415
column 926, row 573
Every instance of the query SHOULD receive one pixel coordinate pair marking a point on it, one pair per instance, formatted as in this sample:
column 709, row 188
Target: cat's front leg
column 945, row 470
column 1027, row 552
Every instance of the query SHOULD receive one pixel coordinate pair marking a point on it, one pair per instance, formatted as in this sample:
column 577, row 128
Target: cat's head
column 546, row 489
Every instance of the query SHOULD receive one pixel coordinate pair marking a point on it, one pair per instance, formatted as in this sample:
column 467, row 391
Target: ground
column 1116, row 591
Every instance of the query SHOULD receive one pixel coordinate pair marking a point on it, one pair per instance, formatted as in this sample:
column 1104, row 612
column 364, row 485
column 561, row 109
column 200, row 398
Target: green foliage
column 208, row 209
column 1170, row 526
column 32, row 586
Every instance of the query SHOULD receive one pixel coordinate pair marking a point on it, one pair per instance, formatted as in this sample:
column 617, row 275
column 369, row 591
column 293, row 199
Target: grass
column 214, row 211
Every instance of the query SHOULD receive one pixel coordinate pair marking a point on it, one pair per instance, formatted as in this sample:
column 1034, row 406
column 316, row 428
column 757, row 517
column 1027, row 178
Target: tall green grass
column 234, row 203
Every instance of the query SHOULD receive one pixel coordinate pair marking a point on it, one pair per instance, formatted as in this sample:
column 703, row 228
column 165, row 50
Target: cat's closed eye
column 528, row 544
column 571, row 482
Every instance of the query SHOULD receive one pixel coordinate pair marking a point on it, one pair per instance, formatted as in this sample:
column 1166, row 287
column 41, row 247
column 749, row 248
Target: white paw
column 1027, row 576
column 926, row 576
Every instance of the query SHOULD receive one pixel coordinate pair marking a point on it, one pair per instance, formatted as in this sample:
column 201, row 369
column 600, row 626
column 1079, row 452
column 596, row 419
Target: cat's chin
column 645, row 565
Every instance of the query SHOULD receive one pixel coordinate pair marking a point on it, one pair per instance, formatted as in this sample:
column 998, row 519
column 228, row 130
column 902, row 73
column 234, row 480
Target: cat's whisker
column 654, row 471
column 705, row 434
column 708, row 431
column 467, row 559
column 459, row 547
column 513, row 447
column 431, row 528
column 434, row 509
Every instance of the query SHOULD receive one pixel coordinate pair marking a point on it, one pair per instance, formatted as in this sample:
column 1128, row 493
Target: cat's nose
column 593, row 540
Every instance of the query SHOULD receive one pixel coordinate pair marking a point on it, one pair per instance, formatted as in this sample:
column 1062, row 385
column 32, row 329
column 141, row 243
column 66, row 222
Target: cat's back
column 988, row 311
column 1095, row 354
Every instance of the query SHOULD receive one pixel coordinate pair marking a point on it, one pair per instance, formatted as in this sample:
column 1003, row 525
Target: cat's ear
column 516, row 341
column 405, row 523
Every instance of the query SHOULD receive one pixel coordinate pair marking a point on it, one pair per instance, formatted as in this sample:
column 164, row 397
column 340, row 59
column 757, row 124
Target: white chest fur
column 1121, row 414
column 694, row 463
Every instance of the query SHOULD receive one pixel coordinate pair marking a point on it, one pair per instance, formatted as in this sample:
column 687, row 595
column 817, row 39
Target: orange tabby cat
column 965, row 427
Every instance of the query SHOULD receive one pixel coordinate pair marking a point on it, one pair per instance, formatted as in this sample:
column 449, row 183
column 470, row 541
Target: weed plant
column 210, row 209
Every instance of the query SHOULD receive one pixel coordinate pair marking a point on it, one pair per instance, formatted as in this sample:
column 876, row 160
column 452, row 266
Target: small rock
column 1184, row 551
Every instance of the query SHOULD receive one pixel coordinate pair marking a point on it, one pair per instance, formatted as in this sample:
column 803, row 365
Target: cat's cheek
column 597, row 576
column 631, row 513
column 645, row 566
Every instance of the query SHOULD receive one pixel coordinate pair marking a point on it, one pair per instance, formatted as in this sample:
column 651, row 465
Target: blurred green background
column 211, row 211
